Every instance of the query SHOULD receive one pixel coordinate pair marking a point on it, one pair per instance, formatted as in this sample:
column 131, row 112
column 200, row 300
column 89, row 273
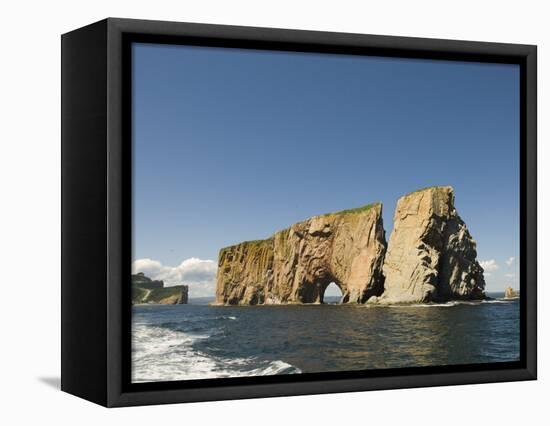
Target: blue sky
column 233, row 145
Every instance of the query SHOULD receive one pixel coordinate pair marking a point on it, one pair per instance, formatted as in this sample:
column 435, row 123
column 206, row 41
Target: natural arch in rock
column 314, row 291
column 332, row 290
column 431, row 257
column 296, row 265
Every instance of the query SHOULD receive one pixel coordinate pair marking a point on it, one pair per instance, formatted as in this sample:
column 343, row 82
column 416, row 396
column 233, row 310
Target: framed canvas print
column 253, row 212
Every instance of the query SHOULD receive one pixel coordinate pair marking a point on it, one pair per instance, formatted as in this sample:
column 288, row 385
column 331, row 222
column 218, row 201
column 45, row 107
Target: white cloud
column 489, row 265
column 198, row 274
column 510, row 261
column 510, row 275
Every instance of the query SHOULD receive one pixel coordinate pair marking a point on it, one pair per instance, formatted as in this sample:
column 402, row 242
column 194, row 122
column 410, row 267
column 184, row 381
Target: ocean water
column 197, row 341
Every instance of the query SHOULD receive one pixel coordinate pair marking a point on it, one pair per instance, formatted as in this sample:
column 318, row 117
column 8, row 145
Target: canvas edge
column 83, row 213
column 115, row 395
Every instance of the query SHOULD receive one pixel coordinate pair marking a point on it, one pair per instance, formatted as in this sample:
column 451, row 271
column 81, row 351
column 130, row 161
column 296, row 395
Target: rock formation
column 183, row 297
column 297, row 264
column 145, row 290
column 510, row 293
column 431, row 255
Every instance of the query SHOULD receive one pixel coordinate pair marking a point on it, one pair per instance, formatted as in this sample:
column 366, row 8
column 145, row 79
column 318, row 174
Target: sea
column 198, row 341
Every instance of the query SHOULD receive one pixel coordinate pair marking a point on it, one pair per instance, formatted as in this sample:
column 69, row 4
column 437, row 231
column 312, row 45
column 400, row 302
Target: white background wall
column 30, row 210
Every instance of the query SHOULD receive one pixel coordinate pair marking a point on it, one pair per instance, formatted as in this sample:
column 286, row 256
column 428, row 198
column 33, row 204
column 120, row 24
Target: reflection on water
column 199, row 341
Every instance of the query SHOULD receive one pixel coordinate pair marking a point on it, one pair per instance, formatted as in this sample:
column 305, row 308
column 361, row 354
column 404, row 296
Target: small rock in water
column 510, row 293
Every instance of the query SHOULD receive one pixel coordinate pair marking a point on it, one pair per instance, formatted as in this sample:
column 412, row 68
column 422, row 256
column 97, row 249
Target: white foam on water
column 450, row 304
column 161, row 354
column 426, row 305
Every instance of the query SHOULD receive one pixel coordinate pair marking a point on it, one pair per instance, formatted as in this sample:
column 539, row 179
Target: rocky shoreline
column 431, row 257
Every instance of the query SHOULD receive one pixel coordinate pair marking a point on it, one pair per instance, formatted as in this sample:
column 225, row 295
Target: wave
column 425, row 305
column 450, row 304
column 162, row 354
column 500, row 300
column 229, row 317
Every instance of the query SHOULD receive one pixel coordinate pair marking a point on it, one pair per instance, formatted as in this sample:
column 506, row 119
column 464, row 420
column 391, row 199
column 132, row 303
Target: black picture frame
column 96, row 211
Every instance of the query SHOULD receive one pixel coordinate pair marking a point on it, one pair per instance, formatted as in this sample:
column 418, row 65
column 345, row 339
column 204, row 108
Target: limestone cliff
column 431, row 254
column 297, row 264
column 431, row 257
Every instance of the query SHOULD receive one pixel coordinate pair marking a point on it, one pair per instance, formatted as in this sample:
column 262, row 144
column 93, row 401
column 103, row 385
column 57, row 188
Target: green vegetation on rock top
column 355, row 210
column 249, row 242
column 427, row 188
column 146, row 290
column 158, row 294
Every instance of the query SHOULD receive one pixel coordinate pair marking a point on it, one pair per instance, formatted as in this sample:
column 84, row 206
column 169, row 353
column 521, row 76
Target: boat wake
column 163, row 354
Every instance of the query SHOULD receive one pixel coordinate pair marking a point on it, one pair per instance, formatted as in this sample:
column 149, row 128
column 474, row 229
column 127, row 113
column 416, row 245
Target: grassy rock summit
column 431, row 257
column 297, row 264
column 145, row 290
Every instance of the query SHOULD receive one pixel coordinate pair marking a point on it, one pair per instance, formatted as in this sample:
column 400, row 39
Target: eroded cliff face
column 297, row 264
column 431, row 257
column 431, row 254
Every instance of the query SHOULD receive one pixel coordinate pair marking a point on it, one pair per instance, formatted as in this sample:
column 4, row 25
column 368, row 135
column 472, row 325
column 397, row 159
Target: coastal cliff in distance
column 145, row 290
column 431, row 255
column 297, row 264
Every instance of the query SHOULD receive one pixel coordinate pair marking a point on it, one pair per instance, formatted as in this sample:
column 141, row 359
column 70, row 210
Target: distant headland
column 145, row 290
column 431, row 257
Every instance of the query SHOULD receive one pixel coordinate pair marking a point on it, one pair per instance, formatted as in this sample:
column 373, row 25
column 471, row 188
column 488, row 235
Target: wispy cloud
column 510, row 261
column 198, row 274
column 510, row 275
column 489, row 265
